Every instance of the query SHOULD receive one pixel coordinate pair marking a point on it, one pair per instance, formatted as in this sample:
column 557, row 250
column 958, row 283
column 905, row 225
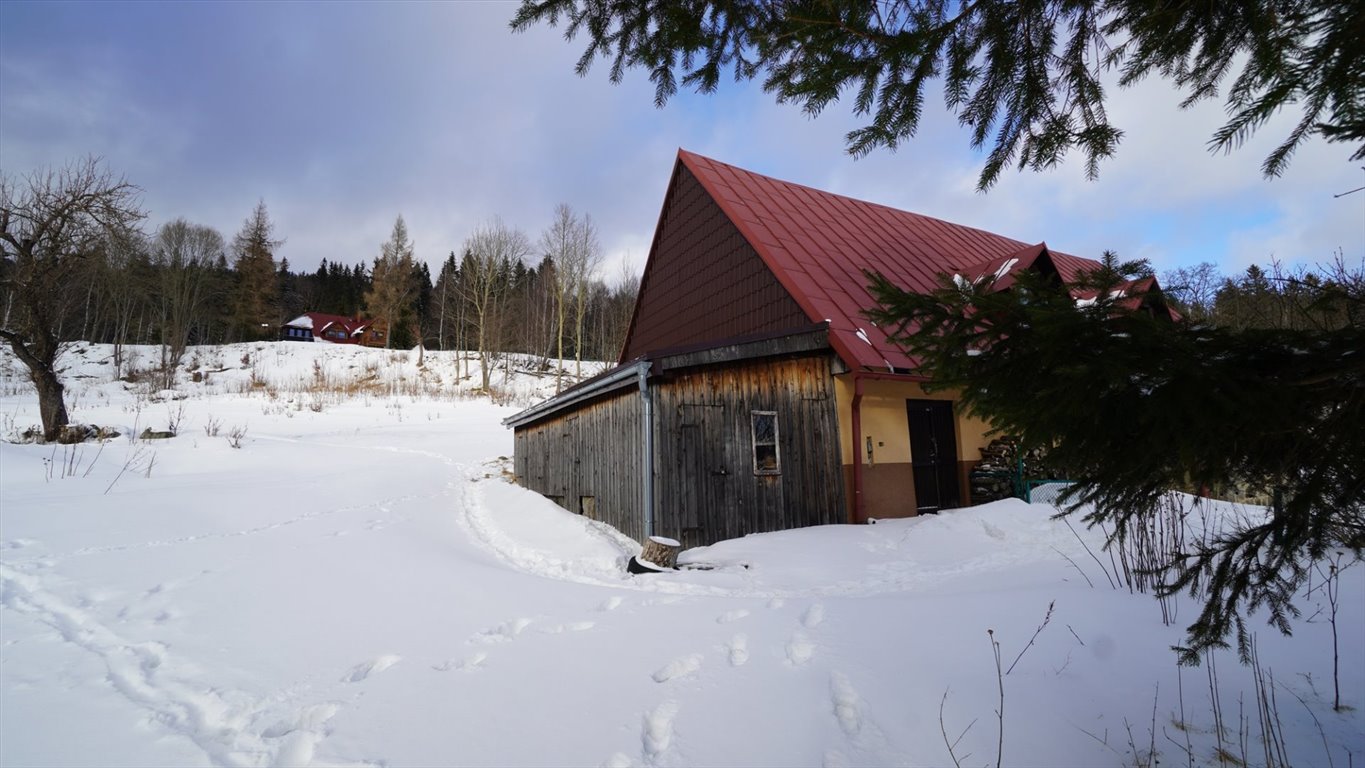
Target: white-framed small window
column 767, row 458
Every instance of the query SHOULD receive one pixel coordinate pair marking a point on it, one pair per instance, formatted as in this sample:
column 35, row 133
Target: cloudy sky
column 341, row 116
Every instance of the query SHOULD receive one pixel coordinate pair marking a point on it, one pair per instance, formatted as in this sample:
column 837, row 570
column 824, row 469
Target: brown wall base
column 964, row 483
column 889, row 489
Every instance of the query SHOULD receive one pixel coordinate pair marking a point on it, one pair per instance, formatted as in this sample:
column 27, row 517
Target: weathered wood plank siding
column 589, row 460
column 707, row 488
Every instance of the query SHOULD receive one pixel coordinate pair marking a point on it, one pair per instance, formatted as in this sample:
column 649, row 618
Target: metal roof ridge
column 847, row 198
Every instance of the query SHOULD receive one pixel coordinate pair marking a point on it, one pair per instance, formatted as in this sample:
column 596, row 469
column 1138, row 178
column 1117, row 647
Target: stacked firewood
column 993, row 478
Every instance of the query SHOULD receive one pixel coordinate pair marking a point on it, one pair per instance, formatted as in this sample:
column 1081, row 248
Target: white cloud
column 343, row 116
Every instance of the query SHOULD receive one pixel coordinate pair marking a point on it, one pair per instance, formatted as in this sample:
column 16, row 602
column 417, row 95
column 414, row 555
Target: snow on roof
column 319, row 322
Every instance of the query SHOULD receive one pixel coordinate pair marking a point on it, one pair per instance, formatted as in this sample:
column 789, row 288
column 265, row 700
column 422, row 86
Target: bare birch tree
column 587, row 256
column 443, row 298
column 571, row 243
column 557, row 245
column 491, row 247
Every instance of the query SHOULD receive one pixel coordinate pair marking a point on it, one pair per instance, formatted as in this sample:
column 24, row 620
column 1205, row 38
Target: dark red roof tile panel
column 817, row 243
column 814, row 246
column 704, row 280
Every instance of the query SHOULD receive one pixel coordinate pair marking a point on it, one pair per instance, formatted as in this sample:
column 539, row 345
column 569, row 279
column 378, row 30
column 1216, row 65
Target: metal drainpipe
column 858, row 512
column 647, row 459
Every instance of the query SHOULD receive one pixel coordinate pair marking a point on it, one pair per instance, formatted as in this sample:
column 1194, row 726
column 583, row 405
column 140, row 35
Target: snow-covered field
column 357, row 583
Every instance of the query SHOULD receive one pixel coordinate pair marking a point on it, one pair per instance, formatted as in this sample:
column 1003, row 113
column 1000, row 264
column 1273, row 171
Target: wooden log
column 661, row 551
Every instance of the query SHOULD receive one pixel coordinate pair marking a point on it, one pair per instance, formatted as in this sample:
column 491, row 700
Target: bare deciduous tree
column 587, row 257
column 1194, row 288
column 444, row 298
column 571, row 243
column 50, row 223
column 619, row 310
column 184, row 255
column 120, row 280
column 557, row 245
column 488, row 252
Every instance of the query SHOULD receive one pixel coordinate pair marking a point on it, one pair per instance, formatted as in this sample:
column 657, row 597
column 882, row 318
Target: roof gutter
column 859, row 515
column 646, row 449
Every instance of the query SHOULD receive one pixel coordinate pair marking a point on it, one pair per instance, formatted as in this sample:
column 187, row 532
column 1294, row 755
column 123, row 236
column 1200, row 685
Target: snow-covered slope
column 358, row 584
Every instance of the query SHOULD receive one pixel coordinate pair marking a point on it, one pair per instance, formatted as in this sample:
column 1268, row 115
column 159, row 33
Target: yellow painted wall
column 884, row 420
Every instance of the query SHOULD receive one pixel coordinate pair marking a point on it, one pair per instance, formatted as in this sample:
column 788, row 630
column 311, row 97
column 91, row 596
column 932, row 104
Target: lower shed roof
column 813, row 339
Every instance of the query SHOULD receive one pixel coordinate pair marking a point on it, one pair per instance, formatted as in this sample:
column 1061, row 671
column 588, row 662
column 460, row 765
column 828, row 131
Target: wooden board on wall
column 589, row 460
column 707, row 488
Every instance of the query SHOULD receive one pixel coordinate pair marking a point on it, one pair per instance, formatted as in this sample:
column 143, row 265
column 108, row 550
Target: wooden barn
column 752, row 394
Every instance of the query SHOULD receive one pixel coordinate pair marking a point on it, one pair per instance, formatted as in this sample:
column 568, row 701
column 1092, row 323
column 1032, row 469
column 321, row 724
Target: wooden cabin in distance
column 752, row 394
column 335, row 329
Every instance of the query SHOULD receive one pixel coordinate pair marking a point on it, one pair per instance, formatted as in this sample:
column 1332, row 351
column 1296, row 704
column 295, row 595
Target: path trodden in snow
column 358, row 586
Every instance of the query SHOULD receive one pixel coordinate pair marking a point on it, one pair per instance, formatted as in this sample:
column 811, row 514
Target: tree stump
column 661, row 551
column 659, row 554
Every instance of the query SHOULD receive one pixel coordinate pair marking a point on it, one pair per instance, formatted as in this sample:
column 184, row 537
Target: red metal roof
column 818, row 243
column 1001, row 271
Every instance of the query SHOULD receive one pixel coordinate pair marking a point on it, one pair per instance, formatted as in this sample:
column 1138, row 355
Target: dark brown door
column 933, row 454
column 705, row 475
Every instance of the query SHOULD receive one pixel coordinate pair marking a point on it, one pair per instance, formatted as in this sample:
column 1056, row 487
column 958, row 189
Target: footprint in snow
column 610, row 604
column 365, row 669
column 738, row 650
column 729, row 616
column 309, row 718
column 301, row 740
column 618, row 760
column 679, row 667
column 848, row 707
column 657, row 732
column 573, row 626
column 505, row 632
column 470, row 663
column 150, row 656
column 776, row 602
column 813, row 616
column 799, row 649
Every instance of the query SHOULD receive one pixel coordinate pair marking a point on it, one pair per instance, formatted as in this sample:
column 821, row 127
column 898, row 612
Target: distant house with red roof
column 752, row 394
column 334, row 329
